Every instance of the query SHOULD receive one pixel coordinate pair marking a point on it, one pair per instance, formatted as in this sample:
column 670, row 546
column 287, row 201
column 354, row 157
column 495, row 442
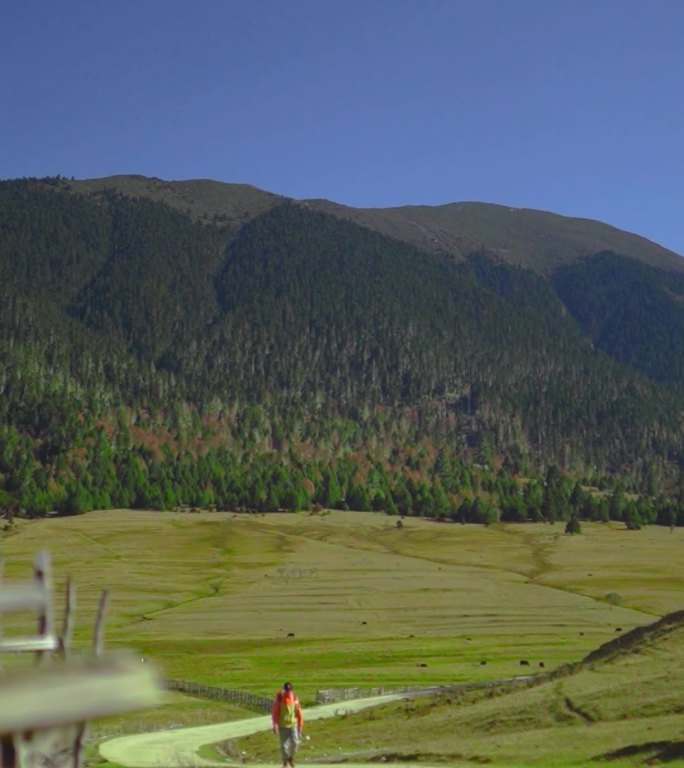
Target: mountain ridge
column 528, row 237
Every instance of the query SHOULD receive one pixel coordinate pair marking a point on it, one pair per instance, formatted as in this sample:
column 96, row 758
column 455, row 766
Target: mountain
column 534, row 239
column 202, row 200
column 196, row 342
column 537, row 240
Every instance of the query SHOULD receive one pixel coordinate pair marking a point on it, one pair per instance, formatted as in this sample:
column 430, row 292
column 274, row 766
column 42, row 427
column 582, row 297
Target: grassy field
column 349, row 599
column 623, row 710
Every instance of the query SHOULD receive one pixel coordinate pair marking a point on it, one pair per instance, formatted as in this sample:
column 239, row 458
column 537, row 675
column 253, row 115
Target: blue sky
column 572, row 106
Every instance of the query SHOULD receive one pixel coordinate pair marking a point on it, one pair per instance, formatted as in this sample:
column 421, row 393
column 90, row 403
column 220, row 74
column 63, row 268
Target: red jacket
column 287, row 711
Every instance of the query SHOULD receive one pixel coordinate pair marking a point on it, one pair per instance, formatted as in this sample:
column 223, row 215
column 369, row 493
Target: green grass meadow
column 346, row 599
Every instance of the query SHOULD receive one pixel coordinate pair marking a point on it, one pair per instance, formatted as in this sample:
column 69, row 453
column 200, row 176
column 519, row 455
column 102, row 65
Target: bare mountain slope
column 535, row 239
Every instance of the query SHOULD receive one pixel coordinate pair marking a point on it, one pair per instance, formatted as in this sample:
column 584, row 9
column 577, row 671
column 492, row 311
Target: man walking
column 287, row 723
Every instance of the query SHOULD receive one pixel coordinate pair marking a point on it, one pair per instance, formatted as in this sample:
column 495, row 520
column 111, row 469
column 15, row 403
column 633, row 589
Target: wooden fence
column 44, row 711
column 333, row 695
column 264, row 704
column 243, row 698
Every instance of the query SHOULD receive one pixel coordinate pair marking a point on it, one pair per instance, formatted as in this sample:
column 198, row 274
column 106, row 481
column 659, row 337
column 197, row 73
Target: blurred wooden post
column 35, row 595
column 98, row 634
column 44, row 712
column 8, row 755
column 42, row 573
column 68, row 621
column 98, row 643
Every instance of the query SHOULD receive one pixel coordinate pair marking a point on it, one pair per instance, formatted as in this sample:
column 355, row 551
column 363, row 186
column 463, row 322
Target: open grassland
column 622, row 710
column 215, row 597
column 350, row 599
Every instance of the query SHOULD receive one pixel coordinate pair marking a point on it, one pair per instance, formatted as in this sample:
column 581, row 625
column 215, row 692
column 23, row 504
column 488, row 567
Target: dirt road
column 179, row 747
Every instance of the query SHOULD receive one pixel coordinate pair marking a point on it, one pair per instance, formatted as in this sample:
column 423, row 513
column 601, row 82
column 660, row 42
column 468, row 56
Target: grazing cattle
column 290, row 634
column 524, row 663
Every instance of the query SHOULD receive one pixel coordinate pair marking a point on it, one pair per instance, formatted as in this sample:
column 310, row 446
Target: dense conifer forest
column 291, row 358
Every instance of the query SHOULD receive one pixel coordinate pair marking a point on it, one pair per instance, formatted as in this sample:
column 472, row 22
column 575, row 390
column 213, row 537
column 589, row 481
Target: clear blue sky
column 572, row 106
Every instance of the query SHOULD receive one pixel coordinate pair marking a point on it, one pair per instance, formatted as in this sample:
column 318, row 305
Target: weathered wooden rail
column 332, row 695
column 44, row 711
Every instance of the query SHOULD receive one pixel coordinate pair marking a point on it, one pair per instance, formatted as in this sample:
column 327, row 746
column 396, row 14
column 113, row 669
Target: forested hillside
column 281, row 357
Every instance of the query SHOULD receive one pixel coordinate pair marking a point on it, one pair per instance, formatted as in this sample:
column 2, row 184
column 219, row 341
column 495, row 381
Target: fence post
column 67, row 624
column 44, row 712
column 43, row 576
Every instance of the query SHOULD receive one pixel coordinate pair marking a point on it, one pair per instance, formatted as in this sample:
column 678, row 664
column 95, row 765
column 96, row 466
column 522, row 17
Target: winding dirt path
column 179, row 747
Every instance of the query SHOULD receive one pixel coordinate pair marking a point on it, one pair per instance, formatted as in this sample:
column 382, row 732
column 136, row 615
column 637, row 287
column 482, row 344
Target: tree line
column 115, row 474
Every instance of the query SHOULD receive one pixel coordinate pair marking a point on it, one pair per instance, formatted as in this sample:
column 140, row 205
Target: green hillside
column 629, row 310
column 617, row 709
column 281, row 357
